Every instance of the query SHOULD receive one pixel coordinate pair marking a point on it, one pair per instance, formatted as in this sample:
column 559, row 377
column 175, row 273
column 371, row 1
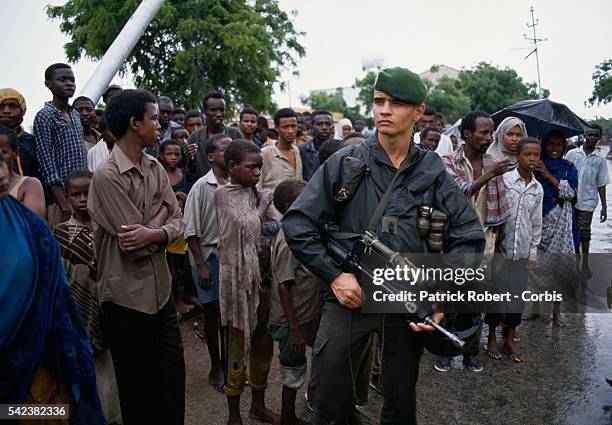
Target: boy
column 430, row 138
column 89, row 121
column 135, row 216
column 592, row 180
column 76, row 242
column 244, row 302
column 202, row 237
column 295, row 307
column 102, row 149
column 59, row 141
column 522, row 234
column 176, row 253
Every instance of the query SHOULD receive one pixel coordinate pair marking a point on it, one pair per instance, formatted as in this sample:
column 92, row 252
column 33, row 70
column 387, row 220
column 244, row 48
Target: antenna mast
column 535, row 40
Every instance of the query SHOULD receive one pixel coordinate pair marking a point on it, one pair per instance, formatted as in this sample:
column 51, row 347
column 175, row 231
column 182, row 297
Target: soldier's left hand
column 420, row 327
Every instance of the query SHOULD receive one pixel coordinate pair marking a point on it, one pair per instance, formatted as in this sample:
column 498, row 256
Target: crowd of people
column 160, row 213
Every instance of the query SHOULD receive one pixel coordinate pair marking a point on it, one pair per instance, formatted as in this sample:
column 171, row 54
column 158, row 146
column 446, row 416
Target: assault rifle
column 350, row 262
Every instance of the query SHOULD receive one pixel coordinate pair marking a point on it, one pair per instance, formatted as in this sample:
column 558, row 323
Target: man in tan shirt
column 281, row 160
column 135, row 215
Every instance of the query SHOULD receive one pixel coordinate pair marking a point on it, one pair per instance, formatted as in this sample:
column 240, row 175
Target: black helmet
column 466, row 326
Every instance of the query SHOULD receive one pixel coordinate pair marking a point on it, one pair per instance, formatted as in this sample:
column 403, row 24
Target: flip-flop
column 515, row 356
column 491, row 353
column 473, row 364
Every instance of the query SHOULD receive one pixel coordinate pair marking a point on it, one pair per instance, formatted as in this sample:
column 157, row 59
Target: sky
column 340, row 34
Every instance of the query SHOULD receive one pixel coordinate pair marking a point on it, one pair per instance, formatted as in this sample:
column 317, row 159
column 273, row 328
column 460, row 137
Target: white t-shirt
column 97, row 155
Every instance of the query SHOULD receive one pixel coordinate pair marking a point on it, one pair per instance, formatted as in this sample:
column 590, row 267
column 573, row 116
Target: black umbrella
column 542, row 115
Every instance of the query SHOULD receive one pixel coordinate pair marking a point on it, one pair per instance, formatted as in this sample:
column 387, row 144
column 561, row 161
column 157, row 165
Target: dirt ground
column 551, row 386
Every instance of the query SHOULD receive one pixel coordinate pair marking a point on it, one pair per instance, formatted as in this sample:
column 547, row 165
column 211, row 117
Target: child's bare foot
column 264, row 415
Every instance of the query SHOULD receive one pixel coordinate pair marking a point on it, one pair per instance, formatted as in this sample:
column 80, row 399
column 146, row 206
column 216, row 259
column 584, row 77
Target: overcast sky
column 340, row 34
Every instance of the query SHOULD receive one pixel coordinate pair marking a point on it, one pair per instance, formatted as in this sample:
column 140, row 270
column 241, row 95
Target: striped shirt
column 60, row 149
column 76, row 243
column 497, row 208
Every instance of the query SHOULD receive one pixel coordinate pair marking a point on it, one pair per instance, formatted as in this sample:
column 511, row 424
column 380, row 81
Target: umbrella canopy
column 543, row 115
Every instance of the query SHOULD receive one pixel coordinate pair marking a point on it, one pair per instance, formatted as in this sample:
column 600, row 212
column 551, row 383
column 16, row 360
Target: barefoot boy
column 295, row 308
column 202, row 236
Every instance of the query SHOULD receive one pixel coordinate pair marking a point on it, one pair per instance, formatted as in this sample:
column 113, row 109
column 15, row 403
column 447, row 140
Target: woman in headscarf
column 509, row 132
column 45, row 355
column 343, row 128
column 556, row 259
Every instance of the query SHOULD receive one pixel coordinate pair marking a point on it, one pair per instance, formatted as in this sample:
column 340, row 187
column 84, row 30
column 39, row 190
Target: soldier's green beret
column 401, row 84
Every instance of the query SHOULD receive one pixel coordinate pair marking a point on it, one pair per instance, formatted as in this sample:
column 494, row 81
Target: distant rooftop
column 436, row 72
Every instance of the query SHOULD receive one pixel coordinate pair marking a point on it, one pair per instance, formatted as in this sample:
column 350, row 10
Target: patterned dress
column 556, row 259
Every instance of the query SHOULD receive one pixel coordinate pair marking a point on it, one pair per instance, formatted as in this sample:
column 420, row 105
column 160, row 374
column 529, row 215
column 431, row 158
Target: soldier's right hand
column 347, row 290
column 500, row 167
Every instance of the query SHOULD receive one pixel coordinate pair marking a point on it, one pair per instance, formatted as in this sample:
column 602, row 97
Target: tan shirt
column 200, row 214
column 120, row 194
column 277, row 168
column 305, row 292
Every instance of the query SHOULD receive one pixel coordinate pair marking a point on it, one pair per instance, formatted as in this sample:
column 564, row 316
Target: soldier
column 344, row 332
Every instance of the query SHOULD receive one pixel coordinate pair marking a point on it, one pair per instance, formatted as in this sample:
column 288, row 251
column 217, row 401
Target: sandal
column 442, row 364
column 493, row 353
column 515, row 356
column 473, row 364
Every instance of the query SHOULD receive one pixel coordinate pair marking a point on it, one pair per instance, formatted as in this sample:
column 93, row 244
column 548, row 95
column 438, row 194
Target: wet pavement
column 561, row 380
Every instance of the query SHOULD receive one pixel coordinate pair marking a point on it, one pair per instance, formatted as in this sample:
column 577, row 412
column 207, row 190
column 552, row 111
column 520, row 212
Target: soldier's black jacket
column 304, row 223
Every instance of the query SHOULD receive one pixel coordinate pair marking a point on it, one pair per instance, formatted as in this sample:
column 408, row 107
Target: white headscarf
column 497, row 149
column 338, row 134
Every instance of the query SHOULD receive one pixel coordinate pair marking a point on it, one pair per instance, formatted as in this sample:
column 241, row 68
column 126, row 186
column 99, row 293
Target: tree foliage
column 192, row 46
column 448, row 99
column 333, row 102
column 604, row 123
column 602, row 78
column 365, row 97
column 491, row 89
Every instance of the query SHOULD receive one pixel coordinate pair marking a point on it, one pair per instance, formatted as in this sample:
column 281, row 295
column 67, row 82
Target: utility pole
column 535, row 40
column 117, row 53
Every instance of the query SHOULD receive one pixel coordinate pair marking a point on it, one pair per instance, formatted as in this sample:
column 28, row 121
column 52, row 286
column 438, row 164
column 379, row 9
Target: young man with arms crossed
column 135, row 215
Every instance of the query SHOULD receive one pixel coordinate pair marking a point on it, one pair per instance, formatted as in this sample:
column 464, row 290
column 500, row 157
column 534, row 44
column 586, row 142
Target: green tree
column 602, row 77
column 604, row 123
column 365, row 97
column 491, row 89
column 332, row 102
column 448, row 99
column 192, row 46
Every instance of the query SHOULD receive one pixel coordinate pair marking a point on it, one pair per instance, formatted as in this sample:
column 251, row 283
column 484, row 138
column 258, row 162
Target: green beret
column 401, row 84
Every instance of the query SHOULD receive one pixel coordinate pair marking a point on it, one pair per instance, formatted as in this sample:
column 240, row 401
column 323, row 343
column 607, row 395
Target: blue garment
column 310, row 158
column 27, row 156
column 39, row 319
column 561, row 169
column 212, row 262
